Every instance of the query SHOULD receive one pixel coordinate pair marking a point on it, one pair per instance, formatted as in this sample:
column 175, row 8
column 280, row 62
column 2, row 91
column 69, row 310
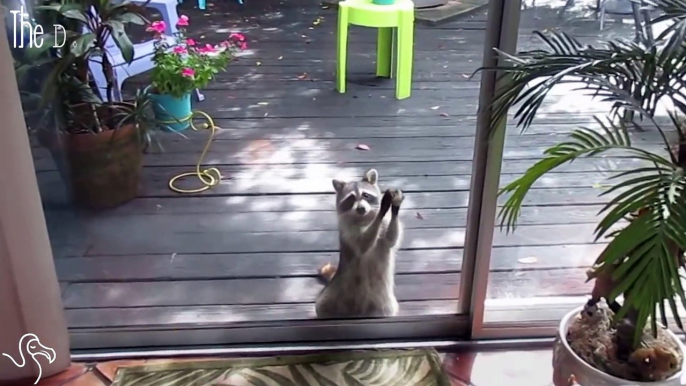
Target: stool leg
column 342, row 48
column 384, row 52
column 201, row 4
column 169, row 15
column 405, row 48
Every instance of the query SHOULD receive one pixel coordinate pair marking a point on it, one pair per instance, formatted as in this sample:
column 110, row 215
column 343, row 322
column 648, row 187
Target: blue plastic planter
column 383, row 2
column 172, row 113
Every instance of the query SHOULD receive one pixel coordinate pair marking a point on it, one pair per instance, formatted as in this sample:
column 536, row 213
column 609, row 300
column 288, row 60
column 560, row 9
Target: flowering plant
column 184, row 65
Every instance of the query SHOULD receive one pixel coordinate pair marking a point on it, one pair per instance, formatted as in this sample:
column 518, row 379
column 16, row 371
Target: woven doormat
column 387, row 367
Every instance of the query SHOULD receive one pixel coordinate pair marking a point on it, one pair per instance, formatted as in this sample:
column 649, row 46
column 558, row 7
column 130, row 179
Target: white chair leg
column 602, row 14
column 199, row 95
column 169, row 15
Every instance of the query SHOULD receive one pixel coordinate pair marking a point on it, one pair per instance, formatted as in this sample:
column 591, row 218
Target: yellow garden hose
column 209, row 177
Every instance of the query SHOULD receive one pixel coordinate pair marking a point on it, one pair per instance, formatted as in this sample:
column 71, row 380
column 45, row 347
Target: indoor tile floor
column 497, row 368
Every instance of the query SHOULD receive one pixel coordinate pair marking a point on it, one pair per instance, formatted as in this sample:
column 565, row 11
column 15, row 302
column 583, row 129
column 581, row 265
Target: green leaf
column 277, row 378
column 75, row 14
column 297, row 375
column 83, row 44
column 351, row 381
column 122, row 40
column 321, row 379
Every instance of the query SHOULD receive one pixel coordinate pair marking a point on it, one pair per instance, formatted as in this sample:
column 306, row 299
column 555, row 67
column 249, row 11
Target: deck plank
column 410, row 287
column 207, row 242
column 305, row 264
column 302, row 221
column 155, row 181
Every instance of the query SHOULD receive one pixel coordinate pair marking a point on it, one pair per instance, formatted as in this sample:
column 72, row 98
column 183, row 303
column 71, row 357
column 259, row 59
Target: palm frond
column 675, row 12
column 626, row 74
column 584, row 142
column 644, row 252
column 645, row 255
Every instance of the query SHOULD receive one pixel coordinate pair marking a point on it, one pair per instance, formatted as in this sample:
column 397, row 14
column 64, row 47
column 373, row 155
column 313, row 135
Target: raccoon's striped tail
column 326, row 273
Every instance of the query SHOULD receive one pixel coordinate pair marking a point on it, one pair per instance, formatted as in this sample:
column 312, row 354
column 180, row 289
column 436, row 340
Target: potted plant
column 623, row 340
column 97, row 145
column 182, row 66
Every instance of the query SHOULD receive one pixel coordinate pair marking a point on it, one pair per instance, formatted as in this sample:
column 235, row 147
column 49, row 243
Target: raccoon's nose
column 361, row 210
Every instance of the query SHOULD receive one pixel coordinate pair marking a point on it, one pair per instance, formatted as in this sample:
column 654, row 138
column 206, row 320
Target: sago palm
column 645, row 221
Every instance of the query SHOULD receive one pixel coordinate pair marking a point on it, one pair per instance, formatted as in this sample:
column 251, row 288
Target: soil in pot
column 593, row 339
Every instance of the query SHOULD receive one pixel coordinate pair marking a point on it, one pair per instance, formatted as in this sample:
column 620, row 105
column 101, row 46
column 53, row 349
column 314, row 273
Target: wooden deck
column 248, row 249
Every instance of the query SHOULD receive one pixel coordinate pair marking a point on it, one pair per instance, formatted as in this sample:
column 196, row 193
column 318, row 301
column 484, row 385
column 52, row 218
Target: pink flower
column 157, row 27
column 190, row 42
column 239, row 37
column 180, row 50
column 208, row 49
column 183, row 21
column 188, row 72
column 244, row 46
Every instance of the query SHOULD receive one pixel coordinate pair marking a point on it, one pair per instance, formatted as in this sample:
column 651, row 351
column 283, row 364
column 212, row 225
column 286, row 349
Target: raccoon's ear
column 371, row 176
column 338, row 185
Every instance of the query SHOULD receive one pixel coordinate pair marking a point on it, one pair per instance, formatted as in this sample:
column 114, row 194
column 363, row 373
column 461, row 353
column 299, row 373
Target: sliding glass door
column 145, row 264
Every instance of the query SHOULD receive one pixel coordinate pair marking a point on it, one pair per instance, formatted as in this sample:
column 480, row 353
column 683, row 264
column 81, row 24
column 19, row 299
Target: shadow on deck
column 248, row 249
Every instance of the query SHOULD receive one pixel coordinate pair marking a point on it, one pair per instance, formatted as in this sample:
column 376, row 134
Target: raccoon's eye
column 365, row 195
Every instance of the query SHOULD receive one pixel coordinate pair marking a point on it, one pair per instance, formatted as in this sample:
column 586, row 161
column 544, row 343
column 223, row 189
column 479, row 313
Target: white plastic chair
column 143, row 53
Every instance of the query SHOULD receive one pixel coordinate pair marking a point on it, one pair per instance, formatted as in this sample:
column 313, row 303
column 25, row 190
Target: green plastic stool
column 386, row 18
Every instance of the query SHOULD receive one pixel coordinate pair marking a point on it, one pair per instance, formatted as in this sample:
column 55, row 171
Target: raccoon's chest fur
column 364, row 283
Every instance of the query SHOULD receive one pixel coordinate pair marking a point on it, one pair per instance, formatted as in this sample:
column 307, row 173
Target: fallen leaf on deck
column 280, row 57
column 303, row 76
column 263, row 103
column 419, row 216
column 528, row 260
column 303, row 36
column 435, row 107
column 318, row 20
column 362, row 146
column 465, row 76
column 259, row 63
column 444, row 115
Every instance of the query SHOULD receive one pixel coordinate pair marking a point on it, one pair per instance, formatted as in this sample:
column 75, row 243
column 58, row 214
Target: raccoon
column 363, row 283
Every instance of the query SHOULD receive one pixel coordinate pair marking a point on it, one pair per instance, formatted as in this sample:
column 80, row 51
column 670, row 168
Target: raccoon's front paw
column 397, row 197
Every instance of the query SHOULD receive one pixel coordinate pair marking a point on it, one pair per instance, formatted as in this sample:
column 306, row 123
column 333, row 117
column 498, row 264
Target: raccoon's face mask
column 358, row 202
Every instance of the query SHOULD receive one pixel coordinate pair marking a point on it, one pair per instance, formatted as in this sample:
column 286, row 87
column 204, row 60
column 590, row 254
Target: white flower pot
column 566, row 363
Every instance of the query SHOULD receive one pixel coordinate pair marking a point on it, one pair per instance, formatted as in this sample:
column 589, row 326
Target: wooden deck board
column 248, row 249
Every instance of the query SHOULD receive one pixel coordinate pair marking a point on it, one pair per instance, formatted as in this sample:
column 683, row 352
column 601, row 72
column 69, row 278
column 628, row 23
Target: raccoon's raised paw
column 396, row 197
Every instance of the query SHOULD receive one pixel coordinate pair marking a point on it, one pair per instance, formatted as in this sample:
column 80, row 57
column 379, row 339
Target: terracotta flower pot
column 566, row 363
column 105, row 168
column 100, row 170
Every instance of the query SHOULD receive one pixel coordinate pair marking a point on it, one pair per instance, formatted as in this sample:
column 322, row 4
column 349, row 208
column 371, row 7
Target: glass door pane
column 141, row 263
column 538, row 273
